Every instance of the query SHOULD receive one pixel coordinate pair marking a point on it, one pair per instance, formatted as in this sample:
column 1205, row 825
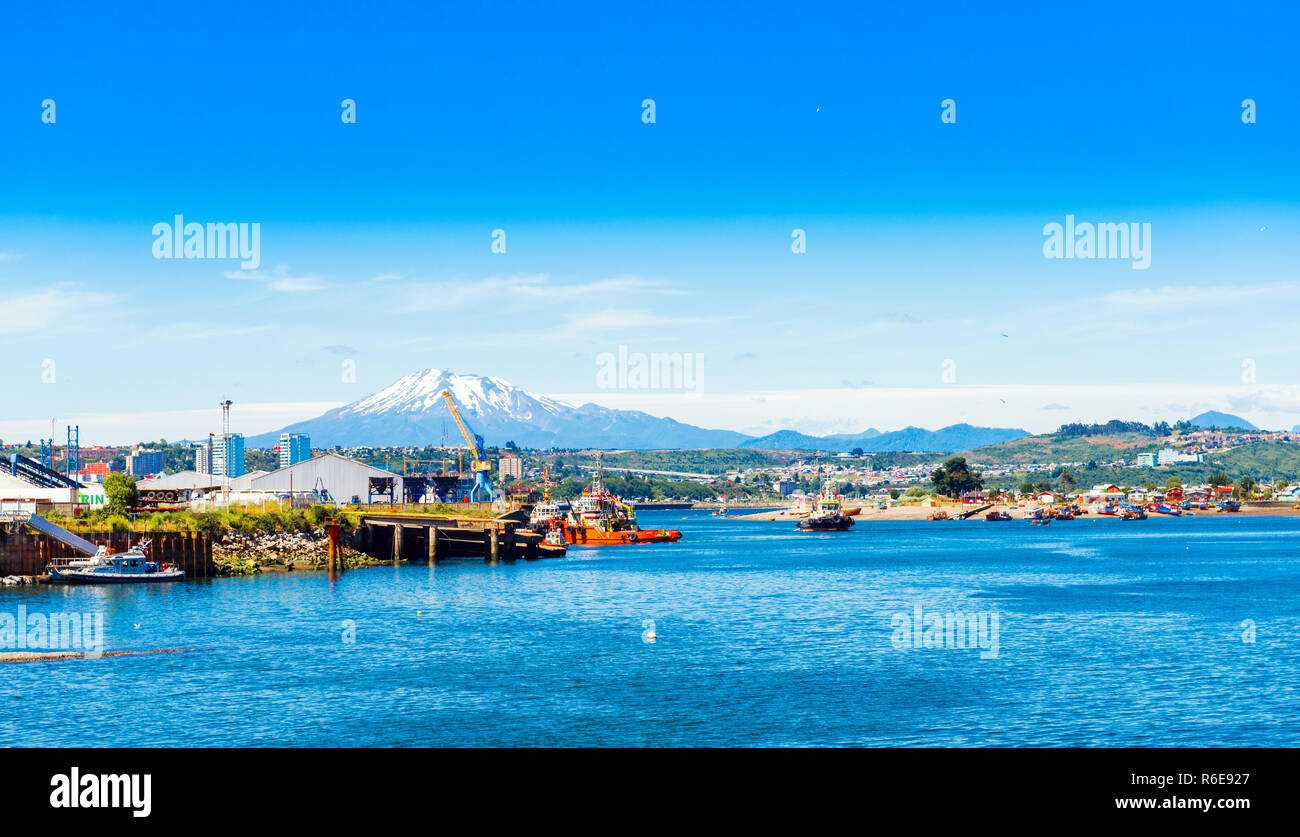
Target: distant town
column 1068, row 465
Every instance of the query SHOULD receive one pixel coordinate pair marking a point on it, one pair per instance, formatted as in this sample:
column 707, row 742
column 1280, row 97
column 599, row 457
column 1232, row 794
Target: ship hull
column 87, row 577
column 591, row 536
column 835, row 523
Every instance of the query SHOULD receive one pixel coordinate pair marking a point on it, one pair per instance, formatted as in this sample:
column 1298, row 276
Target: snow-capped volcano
column 479, row 396
column 412, row 411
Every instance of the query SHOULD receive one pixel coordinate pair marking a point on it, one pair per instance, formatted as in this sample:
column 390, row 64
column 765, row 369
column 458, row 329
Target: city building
column 1169, row 456
column 202, row 460
column 228, row 456
column 93, row 472
column 294, row 448
column 512, row 466
column 144, row 463
column 1146, row 460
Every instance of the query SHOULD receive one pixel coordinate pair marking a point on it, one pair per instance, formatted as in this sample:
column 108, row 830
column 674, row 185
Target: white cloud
column 279, row 279
column 58, row 310
column 127, row 428
column 622, row 320
column 200, row 331
column 1151, row 300
column 615, row 285
column 528, row 289
column 1012, row 405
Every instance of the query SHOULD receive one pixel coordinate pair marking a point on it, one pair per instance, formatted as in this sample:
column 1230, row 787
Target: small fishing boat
column 1133, row 513
column 130, row 567
column 997, row 515
column 1229, row 506
column 1163, row 508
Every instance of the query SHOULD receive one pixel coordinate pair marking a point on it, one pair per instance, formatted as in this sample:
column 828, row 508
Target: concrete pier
column 424, row 537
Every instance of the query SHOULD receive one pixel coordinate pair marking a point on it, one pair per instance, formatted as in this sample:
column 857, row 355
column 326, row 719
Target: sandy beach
column 953, row 509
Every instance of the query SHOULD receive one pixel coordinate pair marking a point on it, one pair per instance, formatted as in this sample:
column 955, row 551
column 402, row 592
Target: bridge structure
column 37, row 474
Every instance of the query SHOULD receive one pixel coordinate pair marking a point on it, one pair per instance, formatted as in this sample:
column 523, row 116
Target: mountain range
column 412, row 412
column 944, row 440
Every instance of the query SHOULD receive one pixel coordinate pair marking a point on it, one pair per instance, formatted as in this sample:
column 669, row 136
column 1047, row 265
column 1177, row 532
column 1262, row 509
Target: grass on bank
column 249, row 519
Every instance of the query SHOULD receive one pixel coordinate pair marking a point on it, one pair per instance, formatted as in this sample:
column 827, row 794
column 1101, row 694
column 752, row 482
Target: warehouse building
column 342, row 479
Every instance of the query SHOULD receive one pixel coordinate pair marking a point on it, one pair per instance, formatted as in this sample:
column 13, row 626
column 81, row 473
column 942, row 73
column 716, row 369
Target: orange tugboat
column 598, row 518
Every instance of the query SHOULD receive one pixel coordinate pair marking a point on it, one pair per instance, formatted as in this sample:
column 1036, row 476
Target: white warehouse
column 344, row 479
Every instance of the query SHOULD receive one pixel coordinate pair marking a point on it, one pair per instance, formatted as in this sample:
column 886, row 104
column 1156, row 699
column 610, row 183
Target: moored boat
column 598, row 518
column 130, row 567
column 827, row 514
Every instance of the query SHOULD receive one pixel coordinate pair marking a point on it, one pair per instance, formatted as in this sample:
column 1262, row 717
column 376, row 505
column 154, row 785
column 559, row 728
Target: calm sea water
column 1109, row 634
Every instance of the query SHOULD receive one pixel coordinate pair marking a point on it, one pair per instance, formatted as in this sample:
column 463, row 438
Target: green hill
column 1055, row 448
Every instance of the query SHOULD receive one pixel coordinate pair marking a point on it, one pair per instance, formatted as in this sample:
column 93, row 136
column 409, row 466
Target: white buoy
column 648, row 635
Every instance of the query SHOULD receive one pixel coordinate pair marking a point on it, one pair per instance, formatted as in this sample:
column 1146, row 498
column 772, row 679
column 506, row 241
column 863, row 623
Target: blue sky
column 924, row 239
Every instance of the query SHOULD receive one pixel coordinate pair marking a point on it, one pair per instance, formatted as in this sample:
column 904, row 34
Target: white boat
column 130, row 567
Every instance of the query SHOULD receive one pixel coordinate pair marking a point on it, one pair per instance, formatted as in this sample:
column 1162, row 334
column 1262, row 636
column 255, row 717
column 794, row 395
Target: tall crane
column 482, row 487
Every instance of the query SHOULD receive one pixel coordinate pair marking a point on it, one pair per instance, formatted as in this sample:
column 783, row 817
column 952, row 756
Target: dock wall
column 28, row 554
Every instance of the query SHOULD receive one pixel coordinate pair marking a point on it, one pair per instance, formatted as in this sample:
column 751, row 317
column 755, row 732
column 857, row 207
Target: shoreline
column 1017, row 513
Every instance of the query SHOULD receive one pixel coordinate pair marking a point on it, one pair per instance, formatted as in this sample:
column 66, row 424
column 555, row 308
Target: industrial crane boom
column 475, row 450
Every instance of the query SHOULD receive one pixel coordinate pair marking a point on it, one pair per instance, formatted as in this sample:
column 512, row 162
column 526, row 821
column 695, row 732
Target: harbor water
column 1090, row 633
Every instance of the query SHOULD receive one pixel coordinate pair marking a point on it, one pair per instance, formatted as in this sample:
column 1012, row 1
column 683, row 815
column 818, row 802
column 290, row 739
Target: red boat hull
column 591, row 536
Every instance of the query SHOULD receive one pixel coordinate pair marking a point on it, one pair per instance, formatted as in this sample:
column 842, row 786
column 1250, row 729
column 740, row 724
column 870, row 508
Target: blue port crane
column 482, row 489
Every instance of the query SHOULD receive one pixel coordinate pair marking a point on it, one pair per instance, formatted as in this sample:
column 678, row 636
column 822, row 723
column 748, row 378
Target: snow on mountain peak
column 475, row 395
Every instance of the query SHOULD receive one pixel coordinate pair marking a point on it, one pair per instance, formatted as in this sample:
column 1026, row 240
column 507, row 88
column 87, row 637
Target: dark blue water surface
column 1110, row 634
